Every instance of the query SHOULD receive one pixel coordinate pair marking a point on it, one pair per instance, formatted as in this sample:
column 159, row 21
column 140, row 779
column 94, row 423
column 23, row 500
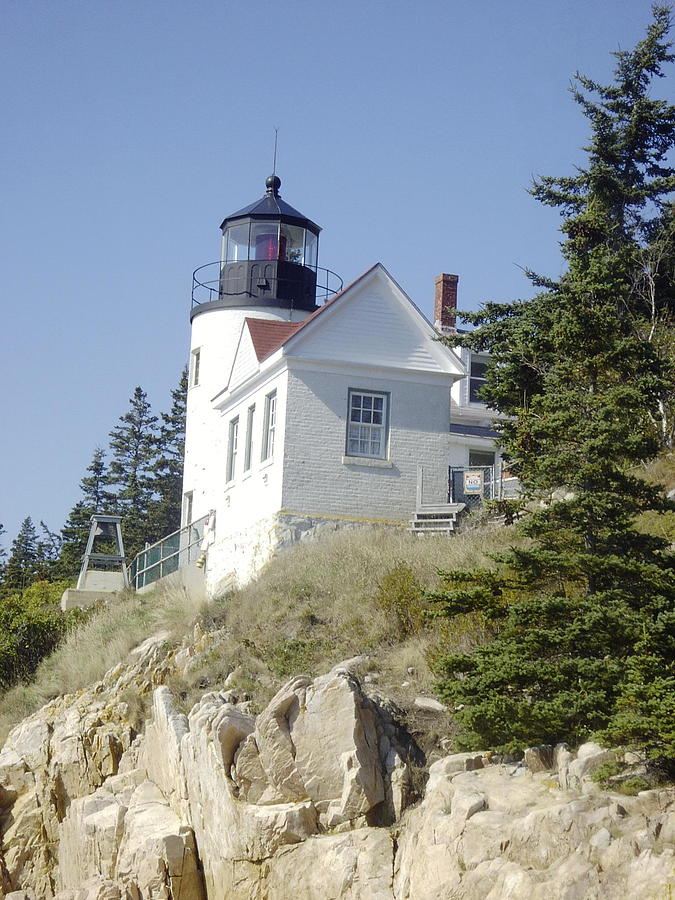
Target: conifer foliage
column 167, row 469
column 133, row 445
column 583, row 615
column 95, row 498
column 26, row 560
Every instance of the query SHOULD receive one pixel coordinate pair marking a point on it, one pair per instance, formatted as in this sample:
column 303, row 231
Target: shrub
column 31, row 626
column 399, row 596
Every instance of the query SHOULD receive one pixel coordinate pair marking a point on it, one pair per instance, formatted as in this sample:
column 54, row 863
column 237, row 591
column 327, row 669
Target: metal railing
column 491, row 483
column 206, row 284
column 172, row 553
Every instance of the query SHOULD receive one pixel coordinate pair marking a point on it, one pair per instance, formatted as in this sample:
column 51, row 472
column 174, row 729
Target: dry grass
column 662, row 470
column 311, row 607
column 104, row 640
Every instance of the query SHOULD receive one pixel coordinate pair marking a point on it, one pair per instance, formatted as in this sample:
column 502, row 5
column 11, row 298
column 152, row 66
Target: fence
column 173, row 552
column 474, row 484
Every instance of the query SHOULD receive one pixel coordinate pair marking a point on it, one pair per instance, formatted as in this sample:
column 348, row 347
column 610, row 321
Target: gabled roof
column 385, row 330
column 267, row 336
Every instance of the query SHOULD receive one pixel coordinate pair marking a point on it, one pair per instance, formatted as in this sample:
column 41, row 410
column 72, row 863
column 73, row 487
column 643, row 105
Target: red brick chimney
column 445, row 303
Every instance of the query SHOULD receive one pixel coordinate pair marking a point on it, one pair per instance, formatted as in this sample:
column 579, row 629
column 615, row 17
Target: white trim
column 369, row 461
column 443, row 355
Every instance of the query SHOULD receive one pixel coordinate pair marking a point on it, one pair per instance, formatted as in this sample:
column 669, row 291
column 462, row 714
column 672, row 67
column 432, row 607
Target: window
column 477, row 376
column 187, row 508
column 250, row 416
column 367, row 424
column 233, row 439
column 269, row 426
column 194, row 367
column 481, row 458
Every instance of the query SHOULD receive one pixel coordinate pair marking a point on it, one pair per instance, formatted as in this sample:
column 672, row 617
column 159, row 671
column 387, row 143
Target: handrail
column 207, row 289
column 173, row 552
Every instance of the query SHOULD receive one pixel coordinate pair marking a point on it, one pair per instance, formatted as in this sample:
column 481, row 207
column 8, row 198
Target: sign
column 473, row 482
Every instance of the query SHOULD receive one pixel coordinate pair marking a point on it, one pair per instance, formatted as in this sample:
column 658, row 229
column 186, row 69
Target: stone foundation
column 236, row 558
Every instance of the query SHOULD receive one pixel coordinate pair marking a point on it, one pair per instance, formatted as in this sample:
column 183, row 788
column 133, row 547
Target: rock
column 601, row 839
column 357, row 865
column 579, row 770
column 539, row 759
column 92, row 889
column 351, row 666
column 428, row 704
column 480, row 835
column 456, row 762
column 157, row 855
column 219, row 804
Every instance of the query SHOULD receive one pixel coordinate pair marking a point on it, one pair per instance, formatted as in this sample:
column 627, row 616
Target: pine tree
column 95, row 498
column 3, row 555
column 133, row 449
column 578, row 371
column 165, row 509
column 26, row 559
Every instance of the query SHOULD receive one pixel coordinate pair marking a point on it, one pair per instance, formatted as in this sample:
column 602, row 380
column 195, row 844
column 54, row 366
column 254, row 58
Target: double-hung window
column 367, row 424
column 233, row 440
column 269, row 426
column 477, row 377
column 248, row 447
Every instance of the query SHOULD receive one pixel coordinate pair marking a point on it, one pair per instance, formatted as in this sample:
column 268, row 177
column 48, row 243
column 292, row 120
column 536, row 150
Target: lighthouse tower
column 267, row 270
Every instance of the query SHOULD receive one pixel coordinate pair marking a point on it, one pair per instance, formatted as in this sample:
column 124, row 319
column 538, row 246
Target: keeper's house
column 305, row 417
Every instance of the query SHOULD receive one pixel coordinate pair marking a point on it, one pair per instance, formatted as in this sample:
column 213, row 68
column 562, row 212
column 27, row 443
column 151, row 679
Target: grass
column 102, row 642
column 660, row 471
column 311, row 607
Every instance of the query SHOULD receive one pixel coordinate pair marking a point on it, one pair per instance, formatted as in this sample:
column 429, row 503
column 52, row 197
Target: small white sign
column 473, row 482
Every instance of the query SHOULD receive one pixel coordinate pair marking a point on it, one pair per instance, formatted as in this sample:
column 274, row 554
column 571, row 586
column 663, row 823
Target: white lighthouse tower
column 267, row 271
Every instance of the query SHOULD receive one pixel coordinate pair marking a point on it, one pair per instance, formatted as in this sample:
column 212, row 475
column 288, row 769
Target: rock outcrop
column 311, row 800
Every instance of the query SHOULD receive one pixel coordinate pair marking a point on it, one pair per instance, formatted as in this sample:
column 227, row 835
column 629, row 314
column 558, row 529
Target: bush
column 31, row 626
column 399, row 596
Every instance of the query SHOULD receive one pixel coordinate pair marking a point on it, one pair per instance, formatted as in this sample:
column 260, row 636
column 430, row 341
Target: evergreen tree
column 26, row 559
column 133, row 446
column 579, row 372
column 3, row 553
column 95, row 498
column 165, row 509
column 49, row 549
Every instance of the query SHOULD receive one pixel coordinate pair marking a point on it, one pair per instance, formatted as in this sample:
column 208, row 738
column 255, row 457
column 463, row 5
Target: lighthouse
column 310, row 408
column 267, row 271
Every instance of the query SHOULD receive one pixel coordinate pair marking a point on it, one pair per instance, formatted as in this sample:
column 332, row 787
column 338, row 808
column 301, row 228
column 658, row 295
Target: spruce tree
column 133, row 446
column 583, row 380
column 3, row 557
column 167, row 470
column 26, row 559
column 95, row 498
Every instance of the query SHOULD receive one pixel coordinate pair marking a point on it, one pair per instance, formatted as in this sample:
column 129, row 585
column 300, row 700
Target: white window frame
column 367, row 424
column 476, row 382
column 232, row 447
column 269, row 426
column 188, row 500
column 248, row 447
column 195, row 362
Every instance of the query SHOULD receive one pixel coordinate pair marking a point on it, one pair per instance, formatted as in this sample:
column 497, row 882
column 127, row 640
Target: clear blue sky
column 408, row 131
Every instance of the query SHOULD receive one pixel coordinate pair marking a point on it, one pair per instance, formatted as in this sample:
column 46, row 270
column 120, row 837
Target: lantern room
column 269, row 254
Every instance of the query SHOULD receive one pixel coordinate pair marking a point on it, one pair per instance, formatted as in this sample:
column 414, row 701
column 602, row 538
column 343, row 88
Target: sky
column 409, row 131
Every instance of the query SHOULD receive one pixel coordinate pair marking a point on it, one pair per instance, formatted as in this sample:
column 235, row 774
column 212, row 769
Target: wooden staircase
column 439, row 519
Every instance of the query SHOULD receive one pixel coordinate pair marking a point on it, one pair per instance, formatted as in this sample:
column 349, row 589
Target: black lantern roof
column 271, row 206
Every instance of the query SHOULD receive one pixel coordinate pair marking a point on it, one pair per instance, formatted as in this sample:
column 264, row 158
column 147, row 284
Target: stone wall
column 237, row 558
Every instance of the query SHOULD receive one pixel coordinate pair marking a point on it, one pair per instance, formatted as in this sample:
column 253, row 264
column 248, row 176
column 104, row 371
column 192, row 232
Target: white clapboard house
column 305, row 416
